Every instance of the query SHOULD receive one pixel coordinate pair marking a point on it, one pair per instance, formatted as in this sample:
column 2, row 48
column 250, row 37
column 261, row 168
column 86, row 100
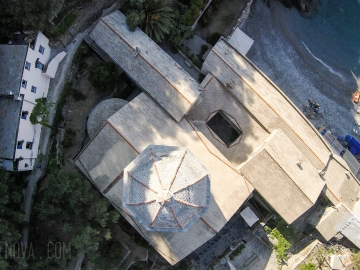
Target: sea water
column 331, row 34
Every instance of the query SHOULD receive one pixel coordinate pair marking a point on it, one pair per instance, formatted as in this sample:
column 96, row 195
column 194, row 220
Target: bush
column 197, row 62
column 62, row 14
column 203, row 49
column 103, row 76
column 213, row 38
column 77, row 95
column 237, row 251
column 309, row 266
column 58, row 117
column 70, row 132
column 281, row 246
column 67, row 142
column 174, row 49
column 206, row 17
column 67, row 22
column 82, row 52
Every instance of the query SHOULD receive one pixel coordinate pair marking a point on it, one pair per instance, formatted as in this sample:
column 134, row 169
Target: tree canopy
column 40, row 113
column 154, row 17
column 103, row 76
column 71, row 210
column 17, row 15
column 12, row 220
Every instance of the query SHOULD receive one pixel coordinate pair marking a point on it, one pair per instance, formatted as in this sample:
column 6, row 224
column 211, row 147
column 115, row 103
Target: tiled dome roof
column 166, row 188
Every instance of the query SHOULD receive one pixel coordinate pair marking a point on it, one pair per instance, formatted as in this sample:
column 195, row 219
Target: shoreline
column 299, row 72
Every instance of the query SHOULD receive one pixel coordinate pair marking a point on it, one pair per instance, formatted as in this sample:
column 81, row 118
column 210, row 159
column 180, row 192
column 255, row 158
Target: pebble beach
column 314, row 56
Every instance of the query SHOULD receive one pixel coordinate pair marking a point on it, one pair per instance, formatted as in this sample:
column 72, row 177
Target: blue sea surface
column 332, row 34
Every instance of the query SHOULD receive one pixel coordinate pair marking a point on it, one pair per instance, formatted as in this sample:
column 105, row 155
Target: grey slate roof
column 275, row 173
column 147, row 64
column 12, row 60
column 130, row 131
column 10, row 117
column 102, row 112
column 265, row 100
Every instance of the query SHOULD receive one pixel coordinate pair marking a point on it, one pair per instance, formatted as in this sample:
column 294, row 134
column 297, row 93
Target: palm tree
column 156, row 18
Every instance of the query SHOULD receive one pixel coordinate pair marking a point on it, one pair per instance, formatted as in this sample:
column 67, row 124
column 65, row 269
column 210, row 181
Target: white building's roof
column 240, row 41
column 249, row 216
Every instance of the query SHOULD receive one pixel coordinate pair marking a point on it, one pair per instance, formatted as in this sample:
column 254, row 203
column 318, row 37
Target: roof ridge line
column 147, row 62
column 264, row 150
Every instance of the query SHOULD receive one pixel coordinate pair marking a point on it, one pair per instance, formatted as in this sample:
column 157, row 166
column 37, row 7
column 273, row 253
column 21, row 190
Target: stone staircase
column 298, row 246
column 96, row 48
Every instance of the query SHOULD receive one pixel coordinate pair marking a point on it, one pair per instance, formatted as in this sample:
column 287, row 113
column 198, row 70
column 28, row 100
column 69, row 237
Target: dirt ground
column 76, row 110
column 224, row 18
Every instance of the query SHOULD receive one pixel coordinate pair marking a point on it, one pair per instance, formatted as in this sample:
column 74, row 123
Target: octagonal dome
column 166, row 188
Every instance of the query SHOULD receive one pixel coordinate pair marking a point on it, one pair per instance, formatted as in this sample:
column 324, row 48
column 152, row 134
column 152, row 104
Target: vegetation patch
column 58, row 117
column 40, row 113
column 71, row 211
column 281, row 246
column 213, row 38
column 103, row 76
column 12, row 220
column 65, row 25
column 52, row 167
column 286, row 230
column 308, row 266
column 77, row 95
column 61, row 15
column 154, row 17
column 356, row 259
column 237, row 251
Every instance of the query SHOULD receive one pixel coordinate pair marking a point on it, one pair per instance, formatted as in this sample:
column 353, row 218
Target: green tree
column 12, row 220
column 158, row 20
column 110, row 255
column 134, row 19
column 40, row 113
column 71, row 210
column 308, row 266
column 154, row 17
column 182, row 27
column 356, row 260
column 17, row 15
column 103, row 76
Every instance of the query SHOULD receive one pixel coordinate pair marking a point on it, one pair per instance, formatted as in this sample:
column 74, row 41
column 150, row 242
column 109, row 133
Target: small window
column 27, row 65
column 41, row 49
column 29, row 145
column 39, row 65
column 33, row 89
column 19, row 144
column 23, row 83
column 24, row 114
column 26, row 165
column 224, row 128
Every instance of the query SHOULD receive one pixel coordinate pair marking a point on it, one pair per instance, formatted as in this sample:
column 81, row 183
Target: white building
column 28, row 73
